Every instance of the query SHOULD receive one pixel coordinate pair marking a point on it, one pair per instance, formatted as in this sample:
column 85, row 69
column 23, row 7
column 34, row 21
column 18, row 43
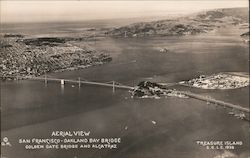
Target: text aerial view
column 124, row 79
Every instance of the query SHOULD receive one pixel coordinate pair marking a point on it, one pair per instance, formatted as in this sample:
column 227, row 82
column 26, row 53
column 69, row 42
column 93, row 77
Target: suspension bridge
column 114, row 85
column 81, row 82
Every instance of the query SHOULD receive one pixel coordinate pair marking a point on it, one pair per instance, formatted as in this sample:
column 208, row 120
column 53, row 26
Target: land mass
column 22, row 56
column 202, row 22
column 245, row 36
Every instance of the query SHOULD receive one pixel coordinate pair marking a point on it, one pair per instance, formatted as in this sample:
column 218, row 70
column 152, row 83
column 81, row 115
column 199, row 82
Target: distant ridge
column 201, row 22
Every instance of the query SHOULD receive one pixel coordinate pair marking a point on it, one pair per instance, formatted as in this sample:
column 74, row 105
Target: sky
column 46, row 11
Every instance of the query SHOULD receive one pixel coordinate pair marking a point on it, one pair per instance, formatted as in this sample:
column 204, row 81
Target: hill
column 197, row 23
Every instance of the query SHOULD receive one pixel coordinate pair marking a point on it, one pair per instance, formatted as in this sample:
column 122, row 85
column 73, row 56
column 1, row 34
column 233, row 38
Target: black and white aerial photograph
column 124, row 79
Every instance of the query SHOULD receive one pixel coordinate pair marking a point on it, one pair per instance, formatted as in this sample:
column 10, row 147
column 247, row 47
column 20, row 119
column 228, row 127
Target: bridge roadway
column 214, row 101
column 113, row 85
column 82, row 82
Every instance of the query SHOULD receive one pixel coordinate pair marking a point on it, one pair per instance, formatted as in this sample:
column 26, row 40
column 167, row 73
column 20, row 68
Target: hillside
column 198, row 23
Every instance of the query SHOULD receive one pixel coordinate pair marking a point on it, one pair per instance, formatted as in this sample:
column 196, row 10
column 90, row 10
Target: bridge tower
column 79, row 82
column 113, row 88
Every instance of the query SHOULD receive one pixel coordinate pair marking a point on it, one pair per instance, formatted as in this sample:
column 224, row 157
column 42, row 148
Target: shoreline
column 11, row 78
column 21, row 58
column 221, row 81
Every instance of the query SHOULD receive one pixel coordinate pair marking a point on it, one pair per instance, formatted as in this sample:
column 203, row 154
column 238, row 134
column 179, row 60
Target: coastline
column 24, row 58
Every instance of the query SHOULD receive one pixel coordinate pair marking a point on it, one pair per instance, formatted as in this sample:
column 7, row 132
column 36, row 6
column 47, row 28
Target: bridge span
column 114, row 85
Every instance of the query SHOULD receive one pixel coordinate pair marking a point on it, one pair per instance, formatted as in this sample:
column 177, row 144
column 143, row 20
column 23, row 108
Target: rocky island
column 147, row 89
column 245, row 36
